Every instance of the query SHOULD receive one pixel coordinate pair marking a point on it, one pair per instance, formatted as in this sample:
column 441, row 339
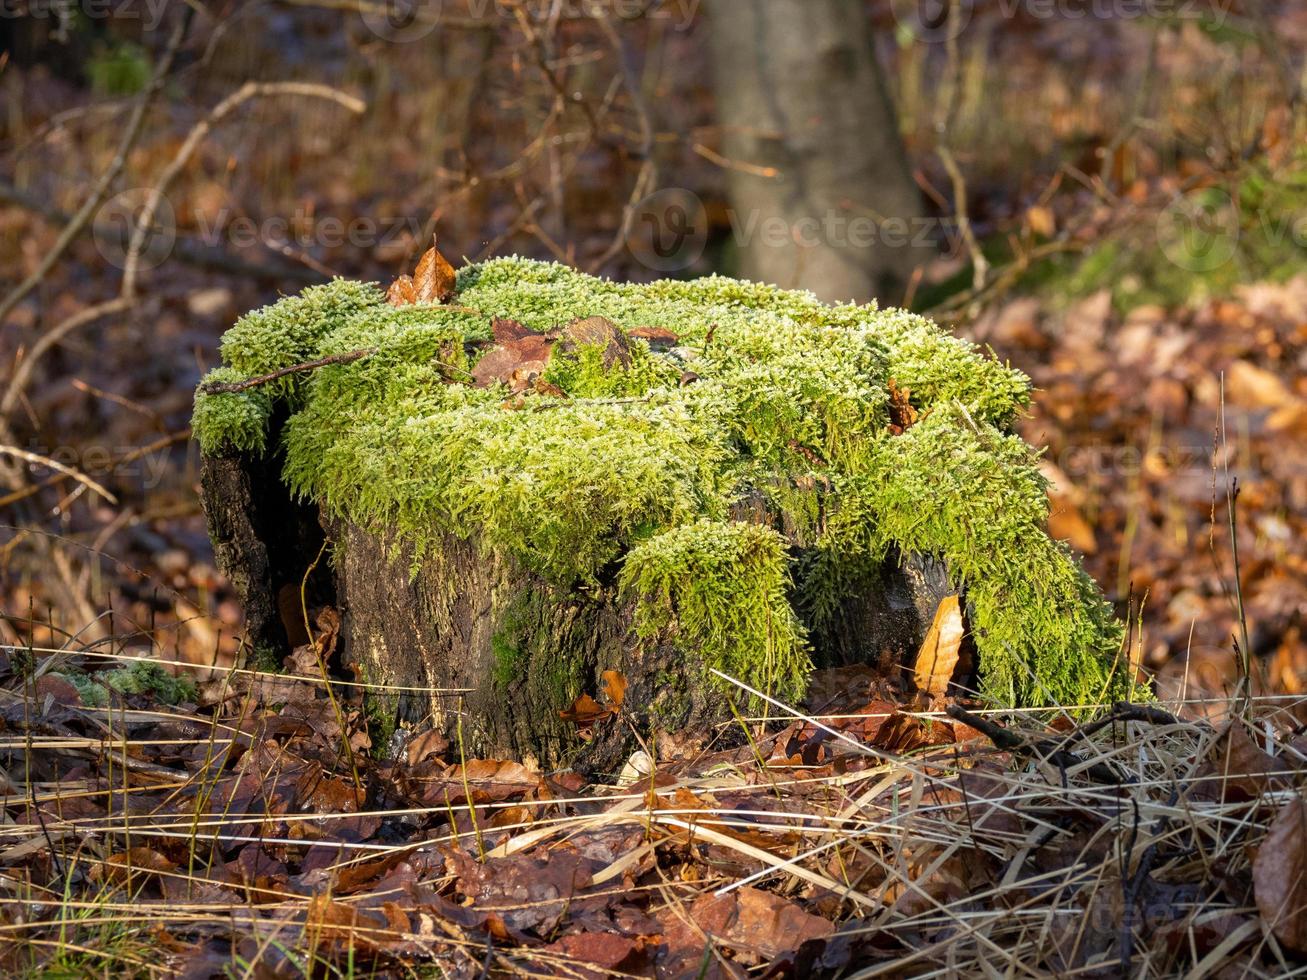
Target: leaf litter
column 870, row 831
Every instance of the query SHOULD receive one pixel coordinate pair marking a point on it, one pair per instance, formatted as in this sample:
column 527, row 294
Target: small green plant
column 645, row 463
column 137, row 678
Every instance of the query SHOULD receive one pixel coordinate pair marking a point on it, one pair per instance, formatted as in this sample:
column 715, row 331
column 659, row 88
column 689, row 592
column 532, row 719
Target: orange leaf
column 939, row 651
column 401, row 292
column 584, row 712
column 613, row 687
column 434, row 281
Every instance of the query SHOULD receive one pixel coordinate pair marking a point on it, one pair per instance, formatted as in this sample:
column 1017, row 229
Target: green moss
column 289, row 332
column 237, row 420
column 582, row 373
column 721, row 589
column 92, row 693
column 508, row 659
column 641, row 476
column 138, row 678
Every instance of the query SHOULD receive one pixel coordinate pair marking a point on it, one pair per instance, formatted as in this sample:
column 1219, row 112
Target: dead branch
column 54, row 464
column 248, row 91
column 1043, row 748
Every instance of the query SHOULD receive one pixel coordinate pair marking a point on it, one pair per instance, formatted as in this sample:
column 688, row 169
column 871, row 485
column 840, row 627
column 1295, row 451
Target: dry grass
column 1130, row 852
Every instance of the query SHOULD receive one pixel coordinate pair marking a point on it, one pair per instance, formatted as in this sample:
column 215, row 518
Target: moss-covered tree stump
column 563, row 475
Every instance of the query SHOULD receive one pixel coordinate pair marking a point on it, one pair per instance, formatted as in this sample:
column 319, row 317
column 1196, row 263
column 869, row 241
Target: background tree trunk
column 799, row 91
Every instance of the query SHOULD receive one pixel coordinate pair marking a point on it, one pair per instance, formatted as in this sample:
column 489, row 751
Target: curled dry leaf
column 941, row 649
column 401, row 292
column 1280, row 876
column 902, row 416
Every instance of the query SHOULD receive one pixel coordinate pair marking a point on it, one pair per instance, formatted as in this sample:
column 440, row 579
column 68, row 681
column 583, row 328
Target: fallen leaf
column 758, row 925
column 434, row 280
column 613, row 687
column 658, row 338
column 429, row 743
column 585, row 712
column 902, row 416
column 604, row 949
column 597, row 331
column 120, row 868
column 1280, row 876
column 401, row 292
column 940, row 650
column 1235, row 769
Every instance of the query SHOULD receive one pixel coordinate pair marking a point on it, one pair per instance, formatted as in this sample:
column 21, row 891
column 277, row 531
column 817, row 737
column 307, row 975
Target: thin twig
column 111, row 173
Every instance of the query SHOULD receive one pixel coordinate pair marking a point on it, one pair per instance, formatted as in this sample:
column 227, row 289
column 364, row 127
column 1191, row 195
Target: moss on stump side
column 731, row 490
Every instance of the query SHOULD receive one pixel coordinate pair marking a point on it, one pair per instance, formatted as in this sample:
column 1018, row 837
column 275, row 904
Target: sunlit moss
column 721, row 589
column 236, row 420
column 770, row 399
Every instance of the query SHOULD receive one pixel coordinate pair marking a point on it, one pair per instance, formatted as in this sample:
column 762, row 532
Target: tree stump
column 560, row 477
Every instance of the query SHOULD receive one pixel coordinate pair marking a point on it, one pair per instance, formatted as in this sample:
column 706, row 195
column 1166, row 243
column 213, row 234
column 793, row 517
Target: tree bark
column 799, row 92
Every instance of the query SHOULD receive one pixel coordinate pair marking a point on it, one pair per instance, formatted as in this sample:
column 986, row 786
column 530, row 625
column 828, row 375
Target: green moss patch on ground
column 767, row 394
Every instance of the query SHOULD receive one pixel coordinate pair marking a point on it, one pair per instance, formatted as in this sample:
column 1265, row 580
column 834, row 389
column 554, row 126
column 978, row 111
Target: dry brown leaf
column 1280, row 876
column 585, row 712
column 658, row 338
column 941, row 649
column 401, row 292
column 758, row 925
column 902, row 416
column 134, row 862
column 1235, row 768
column 1249, row 386
column 613, row 688
column 429, row 743
column 434, row 281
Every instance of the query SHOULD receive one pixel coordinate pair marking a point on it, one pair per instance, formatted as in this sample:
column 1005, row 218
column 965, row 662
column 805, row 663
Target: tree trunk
column 490, row 654
column 799, row 92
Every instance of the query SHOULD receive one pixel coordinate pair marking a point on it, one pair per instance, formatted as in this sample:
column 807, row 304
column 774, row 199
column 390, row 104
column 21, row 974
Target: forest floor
column 245, row 825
